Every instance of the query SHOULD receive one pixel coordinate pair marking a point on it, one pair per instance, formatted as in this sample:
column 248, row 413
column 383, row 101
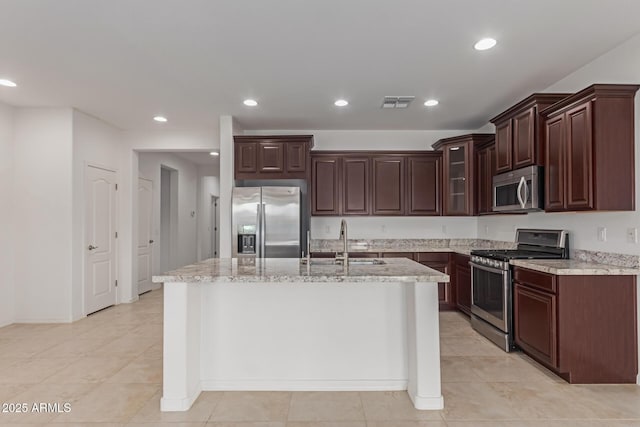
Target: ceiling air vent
column 397, row 101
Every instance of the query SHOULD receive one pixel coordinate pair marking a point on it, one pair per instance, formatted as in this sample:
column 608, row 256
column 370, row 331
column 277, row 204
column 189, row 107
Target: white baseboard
column 303, row 385
column 178, row 404
column 427, row 403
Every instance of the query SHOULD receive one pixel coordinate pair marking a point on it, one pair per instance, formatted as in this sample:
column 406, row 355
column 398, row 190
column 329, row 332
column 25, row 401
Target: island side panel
column 181, row 346
column 304, row 336
column 423, row 340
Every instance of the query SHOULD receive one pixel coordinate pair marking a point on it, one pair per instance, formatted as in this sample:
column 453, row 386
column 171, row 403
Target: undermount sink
column 366, row 262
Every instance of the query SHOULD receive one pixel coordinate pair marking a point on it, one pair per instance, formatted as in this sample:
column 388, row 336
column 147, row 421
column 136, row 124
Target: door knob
column 150, row 241
column 91, row 247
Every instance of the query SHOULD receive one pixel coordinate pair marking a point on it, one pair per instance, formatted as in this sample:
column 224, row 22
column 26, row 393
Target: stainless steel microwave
column 520, row 190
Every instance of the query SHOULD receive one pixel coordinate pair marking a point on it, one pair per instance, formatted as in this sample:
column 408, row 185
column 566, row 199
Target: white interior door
column 145, row 240
column 100, row 239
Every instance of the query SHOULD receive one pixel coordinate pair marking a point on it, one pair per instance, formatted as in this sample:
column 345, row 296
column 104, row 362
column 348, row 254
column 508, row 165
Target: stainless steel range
column 491, row 280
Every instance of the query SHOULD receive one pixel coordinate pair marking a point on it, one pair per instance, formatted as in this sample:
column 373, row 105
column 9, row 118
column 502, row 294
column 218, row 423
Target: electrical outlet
column 327, row 230
column 632, row 235
column 444, row 229
column 602, row 234
column 383, row 228
column 486, row 230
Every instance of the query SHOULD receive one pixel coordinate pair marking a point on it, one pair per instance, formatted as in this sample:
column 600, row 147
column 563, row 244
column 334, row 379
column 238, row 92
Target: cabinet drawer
column 398, row 255
column 437, row 257
column 535, row 279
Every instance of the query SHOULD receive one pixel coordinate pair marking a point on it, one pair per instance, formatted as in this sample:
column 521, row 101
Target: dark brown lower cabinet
column 582, row 327
column 462, row 279
column 440, row 261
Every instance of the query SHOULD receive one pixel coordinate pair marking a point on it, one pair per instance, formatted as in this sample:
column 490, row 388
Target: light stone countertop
column 290, row 270
column 572, row 267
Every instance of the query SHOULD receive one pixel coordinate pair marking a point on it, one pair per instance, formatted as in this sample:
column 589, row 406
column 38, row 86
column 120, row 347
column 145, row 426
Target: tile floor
column 109, row 367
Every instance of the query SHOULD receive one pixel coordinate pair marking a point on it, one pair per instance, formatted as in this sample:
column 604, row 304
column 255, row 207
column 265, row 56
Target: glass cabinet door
column 457, row 179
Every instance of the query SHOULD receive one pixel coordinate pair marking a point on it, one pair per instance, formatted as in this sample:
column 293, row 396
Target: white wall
column 621, row 65
column 7, row 295
column 208, row 185
column 95, row 143
column 43, row 214
column 186, row 225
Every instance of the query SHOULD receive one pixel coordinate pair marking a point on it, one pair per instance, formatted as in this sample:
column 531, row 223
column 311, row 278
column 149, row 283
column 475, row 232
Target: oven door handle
column 487, row 268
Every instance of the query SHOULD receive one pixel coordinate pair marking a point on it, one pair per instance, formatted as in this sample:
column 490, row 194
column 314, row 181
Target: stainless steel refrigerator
column 266, row 222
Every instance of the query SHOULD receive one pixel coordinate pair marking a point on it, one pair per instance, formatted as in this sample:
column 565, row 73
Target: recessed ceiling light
column 7, row 83
column 214, row 153
column 431, row 102
column 341, row 103
column 160, row 119
column 485, row 44
column 250, row 102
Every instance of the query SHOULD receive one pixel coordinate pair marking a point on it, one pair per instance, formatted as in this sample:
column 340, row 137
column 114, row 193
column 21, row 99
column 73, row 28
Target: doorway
column 100, row 269
column 168, row 217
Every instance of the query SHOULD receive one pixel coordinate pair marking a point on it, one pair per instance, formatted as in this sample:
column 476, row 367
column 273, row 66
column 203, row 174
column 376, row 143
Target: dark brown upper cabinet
column 459, row 186
column 388, row 177
column 485, row 169
column 355, row 185
column 424, row 176
column 518, row 131
column 273, row 157
column 589, row 150
column 325, row 185
column 376, row 183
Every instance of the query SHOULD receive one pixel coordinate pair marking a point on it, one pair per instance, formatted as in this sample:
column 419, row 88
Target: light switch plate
column 602, row 234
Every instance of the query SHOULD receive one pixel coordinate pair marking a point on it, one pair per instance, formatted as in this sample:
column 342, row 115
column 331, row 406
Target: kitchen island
column 275, row 324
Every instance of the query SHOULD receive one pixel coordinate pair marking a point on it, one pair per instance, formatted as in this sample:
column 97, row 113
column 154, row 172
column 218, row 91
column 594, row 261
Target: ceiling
column 194, row 60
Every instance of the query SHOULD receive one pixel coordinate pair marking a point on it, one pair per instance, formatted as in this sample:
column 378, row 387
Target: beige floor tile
column 89, row 370
column 125, row 346
column 252, row 406
column 27, row 346
column 545, row 401
column 109, row 403
column 250, row 424
column 326, row 406
column 469, row 346
column 611, row 401
column 474, row 401
column 161, row 424
column 432, row 423
column 75, row 347
column 328, row 424
column 154, row 352
column 140, row 370
column 393, row 405
column 8, row 392
column 200, row 411
column 32, row 371
column 47, row 394
column 455, row 369
column 505, row 368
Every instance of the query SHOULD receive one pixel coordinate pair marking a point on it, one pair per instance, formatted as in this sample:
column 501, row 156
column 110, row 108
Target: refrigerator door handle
column 259, row 230
column 263, row 252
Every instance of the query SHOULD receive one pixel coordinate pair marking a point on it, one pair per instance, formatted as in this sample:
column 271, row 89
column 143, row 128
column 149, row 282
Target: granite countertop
column 283, row 270
column 461, row 246
column 572, row 267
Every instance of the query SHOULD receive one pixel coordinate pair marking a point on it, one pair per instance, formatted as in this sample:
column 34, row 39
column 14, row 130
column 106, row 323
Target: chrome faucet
column 344, row 255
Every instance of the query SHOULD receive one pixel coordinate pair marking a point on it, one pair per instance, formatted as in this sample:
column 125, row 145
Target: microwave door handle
column 525, row 187
column 519, row 192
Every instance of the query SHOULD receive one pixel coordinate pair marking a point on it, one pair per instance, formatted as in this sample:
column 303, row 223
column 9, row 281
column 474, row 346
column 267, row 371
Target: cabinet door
column 446, row 298
column 524, row 139
column 554, row 171
column 355, row 186
column 579, row 149
column 463, row 284
column 246, row 157
column 296, row 157
column 535, row 323
column 457, row 182
column 423, row 189
column 504, row 145
column 388, row 186
column 325, row 197
column 271, row 157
